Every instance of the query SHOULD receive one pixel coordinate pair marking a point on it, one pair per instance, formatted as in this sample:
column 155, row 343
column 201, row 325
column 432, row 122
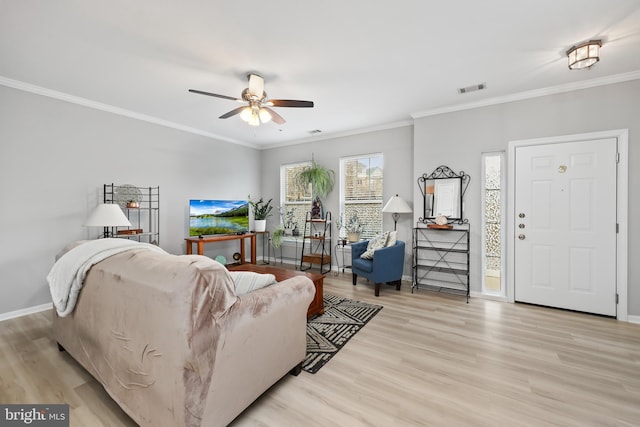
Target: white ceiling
column 363, row 64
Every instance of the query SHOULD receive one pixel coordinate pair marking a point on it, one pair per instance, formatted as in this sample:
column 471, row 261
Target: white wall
column 54, row 159
column 396, row 144
column 458, row 139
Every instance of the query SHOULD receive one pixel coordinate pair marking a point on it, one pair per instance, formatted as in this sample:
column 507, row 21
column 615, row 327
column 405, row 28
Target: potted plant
column 320, row 178
column 261, row 211
column 354, row 228
column 288, row 217
column 276, row 236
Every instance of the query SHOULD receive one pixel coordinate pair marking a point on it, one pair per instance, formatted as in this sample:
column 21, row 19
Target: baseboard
column 25, row 311
column 491, row 297
column 633, row 319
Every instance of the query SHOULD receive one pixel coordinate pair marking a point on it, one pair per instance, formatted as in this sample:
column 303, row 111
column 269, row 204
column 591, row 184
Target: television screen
column 208, row 217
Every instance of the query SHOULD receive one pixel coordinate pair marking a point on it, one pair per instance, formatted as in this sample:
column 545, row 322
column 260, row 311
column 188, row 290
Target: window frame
column 343, row 203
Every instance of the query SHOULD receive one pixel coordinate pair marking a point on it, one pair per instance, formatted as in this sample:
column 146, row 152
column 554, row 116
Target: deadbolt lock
column 521, row 215
column 521, row 236
column 521, row 225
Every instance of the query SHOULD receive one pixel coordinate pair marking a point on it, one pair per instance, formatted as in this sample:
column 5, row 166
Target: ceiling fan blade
column 277, row 118
column 256, row 85
column 289, row 103
column 214, row 94
column 233, row 112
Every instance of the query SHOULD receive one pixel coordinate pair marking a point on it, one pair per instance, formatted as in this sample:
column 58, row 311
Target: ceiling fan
column 259, row 105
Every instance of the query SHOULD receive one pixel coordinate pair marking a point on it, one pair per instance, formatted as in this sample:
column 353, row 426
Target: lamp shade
column 107, row 215
column 396, row 205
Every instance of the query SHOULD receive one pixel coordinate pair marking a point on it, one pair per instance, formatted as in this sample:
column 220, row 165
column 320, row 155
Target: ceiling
column 364, row 66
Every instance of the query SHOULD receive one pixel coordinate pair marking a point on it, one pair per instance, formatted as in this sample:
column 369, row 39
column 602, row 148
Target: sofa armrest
column 263, row 338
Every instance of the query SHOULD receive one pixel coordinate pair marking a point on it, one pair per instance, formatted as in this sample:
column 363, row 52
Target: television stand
column 200, row 241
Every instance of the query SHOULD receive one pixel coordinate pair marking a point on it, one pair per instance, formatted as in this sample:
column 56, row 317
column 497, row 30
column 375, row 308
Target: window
column 492, row 214
column 295, row 202
column 361, row 179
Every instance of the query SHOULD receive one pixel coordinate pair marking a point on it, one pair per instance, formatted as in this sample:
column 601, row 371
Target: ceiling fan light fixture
column 254, row 120
column 584, row 55
column 265, row 116
column 245, row 114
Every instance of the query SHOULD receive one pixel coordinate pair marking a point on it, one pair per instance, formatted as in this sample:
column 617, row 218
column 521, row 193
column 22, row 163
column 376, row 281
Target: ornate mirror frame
column 442, row 194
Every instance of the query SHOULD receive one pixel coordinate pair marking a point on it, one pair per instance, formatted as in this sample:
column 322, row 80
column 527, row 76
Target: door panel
column 565, row 245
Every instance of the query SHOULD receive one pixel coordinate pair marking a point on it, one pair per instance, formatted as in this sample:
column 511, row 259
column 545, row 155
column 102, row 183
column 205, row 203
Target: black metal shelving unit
column 441, row 259
column 316, row 242
column 145, row 217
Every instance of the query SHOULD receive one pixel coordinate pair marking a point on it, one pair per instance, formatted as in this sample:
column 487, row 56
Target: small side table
column 340, row 256
column 266, row 240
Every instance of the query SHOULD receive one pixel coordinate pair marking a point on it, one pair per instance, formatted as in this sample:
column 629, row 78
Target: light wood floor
column 426, row 359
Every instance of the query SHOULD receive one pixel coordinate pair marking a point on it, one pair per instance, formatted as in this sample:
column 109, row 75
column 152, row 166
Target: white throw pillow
column 248, row 281
column 391, row 241
column 377, row 242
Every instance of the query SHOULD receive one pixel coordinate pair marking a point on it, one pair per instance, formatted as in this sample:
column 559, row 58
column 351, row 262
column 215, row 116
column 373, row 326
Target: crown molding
column 585, row 84
column 38, row 90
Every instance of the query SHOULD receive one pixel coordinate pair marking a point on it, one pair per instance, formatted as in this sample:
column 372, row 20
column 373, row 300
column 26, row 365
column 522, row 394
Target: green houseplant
column 319, row 177
column 261, row 211
column 276, row 236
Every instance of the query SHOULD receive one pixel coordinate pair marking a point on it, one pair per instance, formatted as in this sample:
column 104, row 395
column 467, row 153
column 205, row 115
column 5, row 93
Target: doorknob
column 521, row 236
column 521, row 215
column 520, row 225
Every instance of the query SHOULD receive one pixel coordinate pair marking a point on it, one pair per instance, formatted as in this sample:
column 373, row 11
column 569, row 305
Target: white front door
column 565, row 225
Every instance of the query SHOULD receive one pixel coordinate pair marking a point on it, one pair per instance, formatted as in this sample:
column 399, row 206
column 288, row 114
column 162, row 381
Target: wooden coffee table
column 316, row 306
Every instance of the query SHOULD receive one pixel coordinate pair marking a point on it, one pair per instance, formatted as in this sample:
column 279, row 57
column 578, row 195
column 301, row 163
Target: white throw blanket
column 67, row 274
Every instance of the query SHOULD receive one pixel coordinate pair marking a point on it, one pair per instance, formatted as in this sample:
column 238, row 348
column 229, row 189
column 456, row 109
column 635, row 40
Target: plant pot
column 353, row 237
column 260, row 225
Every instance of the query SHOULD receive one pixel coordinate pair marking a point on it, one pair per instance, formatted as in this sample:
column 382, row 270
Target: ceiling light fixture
column 264, row 115
column 245, row 114
column 584, row 55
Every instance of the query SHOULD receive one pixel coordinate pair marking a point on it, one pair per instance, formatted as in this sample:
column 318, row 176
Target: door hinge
column 617, row 228
column 617, row 299
column 617, row 157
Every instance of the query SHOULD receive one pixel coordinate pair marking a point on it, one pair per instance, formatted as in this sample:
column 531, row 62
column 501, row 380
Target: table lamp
column 107, row 215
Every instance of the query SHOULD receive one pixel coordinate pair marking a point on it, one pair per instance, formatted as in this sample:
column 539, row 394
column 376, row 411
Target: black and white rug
column 329, row 332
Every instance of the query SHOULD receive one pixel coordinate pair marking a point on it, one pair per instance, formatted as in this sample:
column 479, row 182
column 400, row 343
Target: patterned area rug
column 329, row 332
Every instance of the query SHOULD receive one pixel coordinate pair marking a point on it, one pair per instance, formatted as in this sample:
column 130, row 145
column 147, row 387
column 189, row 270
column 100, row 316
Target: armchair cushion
column 391, row 241
column 362, row 264
column 380, row 241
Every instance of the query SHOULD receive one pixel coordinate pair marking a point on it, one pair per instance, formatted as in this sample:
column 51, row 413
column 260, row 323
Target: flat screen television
column 210, row 217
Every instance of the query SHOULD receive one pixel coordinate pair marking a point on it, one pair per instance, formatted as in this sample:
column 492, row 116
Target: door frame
column 622, row 197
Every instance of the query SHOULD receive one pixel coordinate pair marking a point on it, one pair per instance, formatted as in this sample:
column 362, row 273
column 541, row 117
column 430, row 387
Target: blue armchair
column 385, row 267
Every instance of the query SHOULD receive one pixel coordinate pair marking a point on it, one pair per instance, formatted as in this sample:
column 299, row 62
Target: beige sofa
column 173, row 344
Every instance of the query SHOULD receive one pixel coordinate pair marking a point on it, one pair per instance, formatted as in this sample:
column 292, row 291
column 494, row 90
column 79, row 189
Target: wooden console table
column 200, row 241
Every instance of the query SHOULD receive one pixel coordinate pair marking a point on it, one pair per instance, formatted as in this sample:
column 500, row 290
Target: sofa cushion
column 248, row 281
column 377, row 242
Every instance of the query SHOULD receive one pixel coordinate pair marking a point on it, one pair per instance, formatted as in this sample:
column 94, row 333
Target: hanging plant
column 320, row 178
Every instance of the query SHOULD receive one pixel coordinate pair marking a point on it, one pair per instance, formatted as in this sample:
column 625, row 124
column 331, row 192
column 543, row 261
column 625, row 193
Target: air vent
column 472, row 88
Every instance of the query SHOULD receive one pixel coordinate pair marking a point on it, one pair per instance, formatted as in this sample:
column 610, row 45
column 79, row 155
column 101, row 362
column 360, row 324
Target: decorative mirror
column 442, row 192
